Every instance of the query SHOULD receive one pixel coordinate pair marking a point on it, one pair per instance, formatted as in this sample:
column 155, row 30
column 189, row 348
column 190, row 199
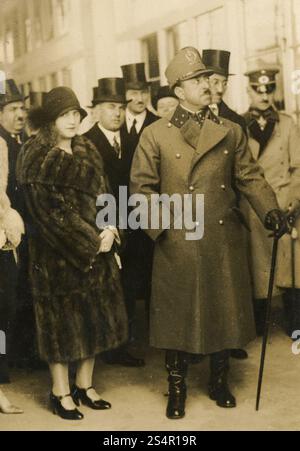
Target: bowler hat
column 217, row 61
column 134, row 76
column 185, row 65
column 109, row 90
column 163, row 91
column 10, row 93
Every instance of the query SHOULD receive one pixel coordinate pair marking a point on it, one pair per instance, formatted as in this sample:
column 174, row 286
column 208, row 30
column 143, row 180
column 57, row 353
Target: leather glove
column 275, row 220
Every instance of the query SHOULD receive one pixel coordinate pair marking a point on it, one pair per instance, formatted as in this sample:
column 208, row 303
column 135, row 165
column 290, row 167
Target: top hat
column 186, row 64
column 263, row 80
column 217, row 61
column 10, row 93
column 134, row 76
column 36, row 99
column 109, row 90
column 163, row 91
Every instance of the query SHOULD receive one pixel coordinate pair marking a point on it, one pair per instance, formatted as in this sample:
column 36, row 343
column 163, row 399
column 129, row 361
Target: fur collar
column 82, row 171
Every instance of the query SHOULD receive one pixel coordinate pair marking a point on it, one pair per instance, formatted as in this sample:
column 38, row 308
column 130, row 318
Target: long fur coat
column 77, row 293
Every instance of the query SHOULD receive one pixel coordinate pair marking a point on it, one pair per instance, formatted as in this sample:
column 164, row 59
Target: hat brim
column 12, row 99
column 195, row 74
column 82, row 112
column 138, row 85
column 219, row 71
column 108, row 99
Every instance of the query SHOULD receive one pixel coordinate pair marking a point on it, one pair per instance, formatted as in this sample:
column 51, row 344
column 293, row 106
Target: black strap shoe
column 59, row 410
column 80, row 395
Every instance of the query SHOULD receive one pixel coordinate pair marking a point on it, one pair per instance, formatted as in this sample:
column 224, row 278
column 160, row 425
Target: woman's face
column 67, row 124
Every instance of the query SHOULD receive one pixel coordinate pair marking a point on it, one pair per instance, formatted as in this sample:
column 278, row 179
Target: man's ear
column 179, row 93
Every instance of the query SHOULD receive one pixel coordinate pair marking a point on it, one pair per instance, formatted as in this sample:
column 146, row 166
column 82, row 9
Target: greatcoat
column 201, row 292
column 280, row 161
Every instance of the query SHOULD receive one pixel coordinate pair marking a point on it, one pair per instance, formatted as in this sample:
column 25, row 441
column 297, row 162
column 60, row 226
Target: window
column 28, row 34
column 37, row 23
column 61, row 8
column 210, row 30
column 260, row 20
column 47, row 19
column 178, row 37
column 150, row 49
column 9, row 46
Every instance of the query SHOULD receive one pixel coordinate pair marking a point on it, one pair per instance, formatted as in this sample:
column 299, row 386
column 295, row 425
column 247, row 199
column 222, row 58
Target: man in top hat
column 201, row 293
column 218, row 62
column 12, row 121
column 109, row 105
column 165, row 101
column 274, row 141
column 137, row 118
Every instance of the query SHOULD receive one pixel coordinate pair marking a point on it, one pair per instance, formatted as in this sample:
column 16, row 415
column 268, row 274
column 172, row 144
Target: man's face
column 110, row 115
column 12, row 117
column 138, row 100
column 166, row 105
column 262, row 101
column 218, row 86
column 194, row 94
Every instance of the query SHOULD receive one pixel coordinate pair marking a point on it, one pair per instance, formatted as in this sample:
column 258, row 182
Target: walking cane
column 268, row 319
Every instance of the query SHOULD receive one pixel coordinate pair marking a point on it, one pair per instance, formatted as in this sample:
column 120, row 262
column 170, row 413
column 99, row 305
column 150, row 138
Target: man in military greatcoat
column 201, row 291
column 274, row 141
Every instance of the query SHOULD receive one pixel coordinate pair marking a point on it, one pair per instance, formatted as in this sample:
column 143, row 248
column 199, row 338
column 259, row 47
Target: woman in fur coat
column 78, row 300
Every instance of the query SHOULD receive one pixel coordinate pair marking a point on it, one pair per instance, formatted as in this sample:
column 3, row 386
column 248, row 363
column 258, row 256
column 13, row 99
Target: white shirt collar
column 110, row 135
column 140, row 118
column 190, row 111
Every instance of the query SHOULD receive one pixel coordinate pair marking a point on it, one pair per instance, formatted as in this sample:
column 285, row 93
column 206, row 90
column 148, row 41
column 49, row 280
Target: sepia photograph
column 149, row 218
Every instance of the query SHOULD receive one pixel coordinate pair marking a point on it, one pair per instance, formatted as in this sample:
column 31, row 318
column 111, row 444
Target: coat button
column 178, row 155
column 197, row 223
column 191, row 188
column 221, row 222
column 169, row 125
column 221, row 122
column 226, row 152
column 223, row 187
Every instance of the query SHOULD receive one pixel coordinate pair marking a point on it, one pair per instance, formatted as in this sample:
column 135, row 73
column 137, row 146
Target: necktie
column 133, row 132
column 214, row 108
column 117, row 148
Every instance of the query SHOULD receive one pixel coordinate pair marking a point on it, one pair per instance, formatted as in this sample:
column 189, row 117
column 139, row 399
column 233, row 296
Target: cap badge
column 264, row 79
column 191, row 56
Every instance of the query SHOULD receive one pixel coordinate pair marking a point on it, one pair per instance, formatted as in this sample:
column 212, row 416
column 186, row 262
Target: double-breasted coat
column 201, row 293
column 280, row 161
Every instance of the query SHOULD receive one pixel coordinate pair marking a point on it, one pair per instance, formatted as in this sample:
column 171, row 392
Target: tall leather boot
column 260, row 315
column 176, row 364
column 218, row 387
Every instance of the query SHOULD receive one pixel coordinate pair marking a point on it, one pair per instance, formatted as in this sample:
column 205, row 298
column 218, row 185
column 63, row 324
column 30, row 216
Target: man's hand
column 293, row 211
column 107, row 239
column 275, row 220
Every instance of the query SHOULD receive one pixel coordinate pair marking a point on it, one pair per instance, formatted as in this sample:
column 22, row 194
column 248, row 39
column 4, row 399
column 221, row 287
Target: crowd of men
column 202, row 298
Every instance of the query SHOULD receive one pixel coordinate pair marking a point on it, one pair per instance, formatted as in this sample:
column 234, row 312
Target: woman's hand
column 107, row 240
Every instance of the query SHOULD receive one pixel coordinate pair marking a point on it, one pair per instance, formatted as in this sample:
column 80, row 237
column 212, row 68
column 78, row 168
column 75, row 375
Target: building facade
column 45, row 43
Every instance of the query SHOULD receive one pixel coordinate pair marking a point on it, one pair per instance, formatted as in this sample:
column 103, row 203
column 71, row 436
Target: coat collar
column 201, row 139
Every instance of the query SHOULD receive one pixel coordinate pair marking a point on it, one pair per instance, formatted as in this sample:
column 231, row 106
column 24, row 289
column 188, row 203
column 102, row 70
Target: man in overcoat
column 201, row 296
column 274, row 141
column 109, row 106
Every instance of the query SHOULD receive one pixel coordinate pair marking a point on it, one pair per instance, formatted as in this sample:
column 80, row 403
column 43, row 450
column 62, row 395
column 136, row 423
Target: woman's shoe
column 6, row 407
column 80, row 395
column 59, row 410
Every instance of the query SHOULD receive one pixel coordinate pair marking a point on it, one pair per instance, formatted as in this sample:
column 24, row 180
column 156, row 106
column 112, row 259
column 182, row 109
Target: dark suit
column 228, row 113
